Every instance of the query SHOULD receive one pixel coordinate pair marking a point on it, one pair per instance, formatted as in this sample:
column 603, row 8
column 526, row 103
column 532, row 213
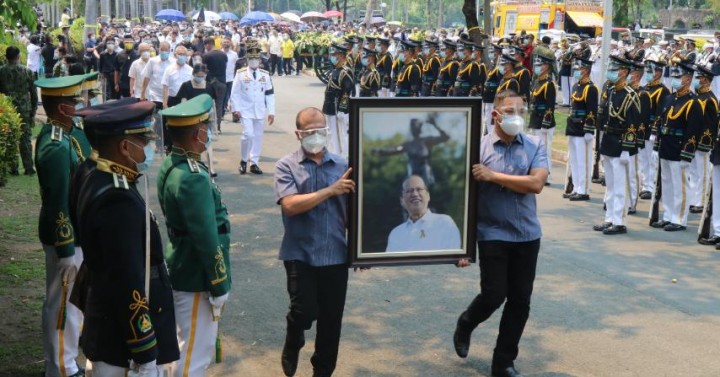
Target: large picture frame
column 415, row 199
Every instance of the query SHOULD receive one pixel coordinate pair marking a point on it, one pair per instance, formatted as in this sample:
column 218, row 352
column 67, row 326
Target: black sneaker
column 243, row 167
column 579, row 197
column 601, row 227
column 645, row 195
column 255, row 169
column 615, row 229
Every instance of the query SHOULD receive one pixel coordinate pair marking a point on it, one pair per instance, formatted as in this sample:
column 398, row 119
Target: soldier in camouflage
column 16, row 82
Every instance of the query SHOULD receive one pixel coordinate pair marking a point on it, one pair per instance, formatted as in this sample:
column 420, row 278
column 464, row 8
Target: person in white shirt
column 252, row 99
column 275, row 44
column 136, row 69
column 174, row 76
column 152, row 88
column 423, row 230
column 33, row 55
column 230, row 70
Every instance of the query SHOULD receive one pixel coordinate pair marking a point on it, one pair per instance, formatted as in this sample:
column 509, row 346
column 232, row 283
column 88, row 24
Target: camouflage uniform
column 16, row 81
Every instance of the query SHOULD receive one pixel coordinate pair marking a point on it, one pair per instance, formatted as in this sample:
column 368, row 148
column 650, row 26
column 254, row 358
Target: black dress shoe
column 696, row 209
column 709, row 241
column 243, row 167
column 579, row 197
column 632, row 211
column 255, row 169
column 598, row 180
column 290, row 356
column 461, row 340
column 615, row 229
column 567, row 195
column 674, row 227
column 601, row 227
column 507, row 372
column 659, row 224
column 645, row 195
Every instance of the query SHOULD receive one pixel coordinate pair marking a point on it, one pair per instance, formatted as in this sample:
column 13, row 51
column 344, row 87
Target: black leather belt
column 222, row 229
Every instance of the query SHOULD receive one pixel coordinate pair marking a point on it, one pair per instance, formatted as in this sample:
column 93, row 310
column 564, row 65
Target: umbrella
column 275, row 16
column 228, row 16
column 255, row 17
column 290, row 17
column 209, row 16
column 312, row 17
column 170, row 15
column 333, row 14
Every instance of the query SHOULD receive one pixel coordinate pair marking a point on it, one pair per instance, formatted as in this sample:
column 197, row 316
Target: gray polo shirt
column 316, row 237
column 503, row 214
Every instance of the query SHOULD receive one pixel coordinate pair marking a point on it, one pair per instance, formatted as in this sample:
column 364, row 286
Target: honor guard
column 699, row 172
column 477, row 55
column 252, row 99
column 370, row 78
column 468, row 76
column 657, row 93
column 59, row 148
column 643, row 133
column 418, row 56
column 680, row 131
column 370, row 43
column 506, row 69
column 339, row 88
column 542, row 104
column 431, row 68
column 410, row 78
column 384, row 66
column 580, row 129
column 490, row 87
column 602, row 117
column 352, row 44
column 712, row 235
column 128, row 303
column 198, row 229
column 618, row 145
column 522, row 75
column 397, row 66
column 448, row 70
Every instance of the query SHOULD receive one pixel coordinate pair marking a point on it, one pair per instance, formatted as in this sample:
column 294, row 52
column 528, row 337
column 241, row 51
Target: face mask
column 181, row 59
column 695, row 83
column 426, row 51
column 314, row 143
column 648, row 76
column 577, row 75
column 254, row 63
column 401, row 58
column 491, row 56
column 443, row 54
column 111, row 47
column 512, row 124
column 378, row 49
column 199, row 79
column 537, row 69
column 333, row 60
column 364, row 61
column 612, row 76
column 501, row 69
column 676, row 83
column 149, row 151
column 145, row 55
column 461, row 54
column 208, row 142
column 164, row 55
column 186, row 38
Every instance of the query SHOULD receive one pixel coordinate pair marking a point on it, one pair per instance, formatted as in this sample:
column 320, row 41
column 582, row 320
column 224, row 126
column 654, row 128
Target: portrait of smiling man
column 423, row 230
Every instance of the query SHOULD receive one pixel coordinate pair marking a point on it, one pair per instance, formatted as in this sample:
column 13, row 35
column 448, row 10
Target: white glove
column 219, row 301
column 544, row 130
column 65, row 266
column 625, row 158
column 588, row 138
column 652, row 138
column 144, row 370
column 684, row 164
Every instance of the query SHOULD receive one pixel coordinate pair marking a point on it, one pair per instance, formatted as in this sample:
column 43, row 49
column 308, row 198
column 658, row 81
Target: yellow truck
column 576, row 17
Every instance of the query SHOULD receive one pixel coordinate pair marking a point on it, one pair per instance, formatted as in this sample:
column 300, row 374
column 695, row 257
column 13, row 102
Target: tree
column 91, row 9
column 470, row 11
column 369, row 13
column 14, row 11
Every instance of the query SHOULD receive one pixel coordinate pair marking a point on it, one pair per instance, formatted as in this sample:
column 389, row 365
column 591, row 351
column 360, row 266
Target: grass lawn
column 560, row 140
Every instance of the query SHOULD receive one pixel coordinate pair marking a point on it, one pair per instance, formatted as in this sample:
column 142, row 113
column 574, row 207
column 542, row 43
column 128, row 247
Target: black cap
column 383, row 41
column 518, row 50
column 370, row 38
column 539, row 59
column 583, row 63
column 337, row 48
column 651, row 64
column 450, row 44
column 706, row 71
column 681, row 69
column 465, row 45
column 97, row 109
column 368, row 52
column 131, row 119
column 507, row 59
column 430, row 43
column 406, row 45
column 637, row 66
column 618, row 62
column 351, row 39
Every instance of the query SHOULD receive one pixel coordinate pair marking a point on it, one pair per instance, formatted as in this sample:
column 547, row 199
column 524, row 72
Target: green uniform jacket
column 198, row 226
column 57, row 156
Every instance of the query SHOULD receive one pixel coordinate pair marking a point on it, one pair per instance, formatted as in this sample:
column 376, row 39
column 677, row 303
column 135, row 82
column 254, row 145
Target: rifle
column 596, row 158
column 706, row 219
column 654, row 213
column 569, row 187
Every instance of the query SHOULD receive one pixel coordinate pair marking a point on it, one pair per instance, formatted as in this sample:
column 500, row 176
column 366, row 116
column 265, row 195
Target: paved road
column 603, row 305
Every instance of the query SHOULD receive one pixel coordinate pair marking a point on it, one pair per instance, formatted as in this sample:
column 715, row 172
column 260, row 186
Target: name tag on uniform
column 57, row 133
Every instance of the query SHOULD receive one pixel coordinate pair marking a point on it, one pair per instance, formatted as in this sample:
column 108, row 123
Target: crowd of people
column 648, row 132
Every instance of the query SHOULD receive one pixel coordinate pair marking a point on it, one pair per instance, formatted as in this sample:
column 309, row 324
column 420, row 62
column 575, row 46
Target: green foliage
column 7, row 41
column 14, row 11
column 10, row 130
column 313, row 42
column 77, row 29
column 382, row 180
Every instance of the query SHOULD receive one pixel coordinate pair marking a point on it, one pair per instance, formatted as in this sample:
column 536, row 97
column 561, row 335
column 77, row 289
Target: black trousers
column 316, row 293
column 287, row 65
column 275, row 65
column 507, row 274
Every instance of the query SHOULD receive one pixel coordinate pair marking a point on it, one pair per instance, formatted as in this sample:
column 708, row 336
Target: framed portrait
column 415, row 199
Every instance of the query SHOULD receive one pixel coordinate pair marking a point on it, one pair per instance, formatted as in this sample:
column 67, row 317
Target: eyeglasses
column 320, row 131
column 411, row 191
column 511, row 110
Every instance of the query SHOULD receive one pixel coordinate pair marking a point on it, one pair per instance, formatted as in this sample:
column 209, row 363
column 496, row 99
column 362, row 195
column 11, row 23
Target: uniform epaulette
column 56, row 134
column 243, row 69
column 120, row 181
column 263, row 71
column 194, row 167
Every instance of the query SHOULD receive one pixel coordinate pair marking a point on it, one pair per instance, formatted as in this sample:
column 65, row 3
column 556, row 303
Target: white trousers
column 61, row 320
column 251, row 139
column 674, row 192
column 715, row 200
column 616, row 189
column 101, row 369
column 196, row 331
column 546, row 135
column 648, row 162
column 487, row 109
column 633, row 181
column 565, row 90
column 580, row 160
column 338, row 136
column 698, row 176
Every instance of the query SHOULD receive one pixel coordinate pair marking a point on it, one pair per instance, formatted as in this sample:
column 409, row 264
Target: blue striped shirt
column 503, row 214
column 316, row 237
